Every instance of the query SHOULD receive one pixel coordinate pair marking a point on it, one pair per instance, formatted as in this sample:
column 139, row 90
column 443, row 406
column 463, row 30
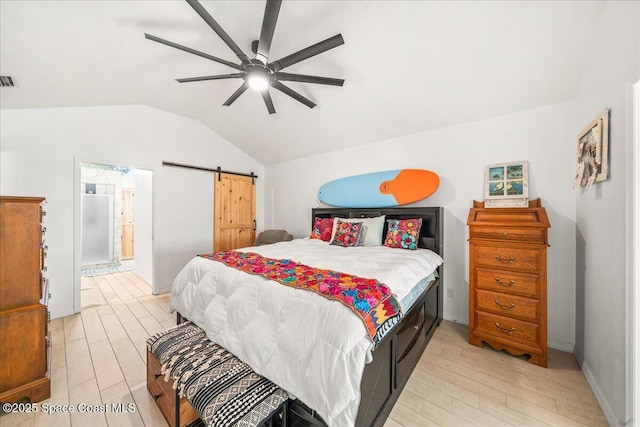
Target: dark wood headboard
column 432, row 224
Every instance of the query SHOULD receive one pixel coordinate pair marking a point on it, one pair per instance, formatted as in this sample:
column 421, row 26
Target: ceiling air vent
column 6, row 81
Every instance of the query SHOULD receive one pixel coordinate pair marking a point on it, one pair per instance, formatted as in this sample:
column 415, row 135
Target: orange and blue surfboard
column 380, row 189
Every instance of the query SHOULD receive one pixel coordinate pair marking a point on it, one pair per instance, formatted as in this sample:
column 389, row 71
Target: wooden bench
column 217, row 386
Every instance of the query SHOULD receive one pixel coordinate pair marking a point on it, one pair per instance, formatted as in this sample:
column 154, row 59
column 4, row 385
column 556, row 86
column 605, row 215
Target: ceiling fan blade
column 200, row 10
column 236, row 94
column 268, row 102
column 271, row 12
column 189, row 50
column 292, row 93
column 308, row 52
column 203, row 78
column 309, row 79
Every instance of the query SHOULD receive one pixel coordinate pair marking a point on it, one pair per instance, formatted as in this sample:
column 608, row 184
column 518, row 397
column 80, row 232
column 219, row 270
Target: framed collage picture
column 506, row 185
column 592, row 152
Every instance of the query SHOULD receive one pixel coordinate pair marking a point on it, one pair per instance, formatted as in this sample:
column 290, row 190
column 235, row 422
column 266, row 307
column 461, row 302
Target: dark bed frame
column 397, row 355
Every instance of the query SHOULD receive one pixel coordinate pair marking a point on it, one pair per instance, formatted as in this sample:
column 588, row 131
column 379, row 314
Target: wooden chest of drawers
column 24, row 341
column 508, row 279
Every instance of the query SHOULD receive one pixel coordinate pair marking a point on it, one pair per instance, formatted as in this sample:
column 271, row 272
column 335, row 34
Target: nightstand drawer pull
column 508, row 331
column 505, row 284
column 505, row 261
column 504, row 307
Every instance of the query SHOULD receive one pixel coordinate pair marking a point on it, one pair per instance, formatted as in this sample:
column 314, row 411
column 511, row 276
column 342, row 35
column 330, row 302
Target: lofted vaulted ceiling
column 409, row 66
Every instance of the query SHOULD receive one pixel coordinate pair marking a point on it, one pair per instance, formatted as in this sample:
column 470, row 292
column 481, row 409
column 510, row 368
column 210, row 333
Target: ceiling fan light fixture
column 258, row 82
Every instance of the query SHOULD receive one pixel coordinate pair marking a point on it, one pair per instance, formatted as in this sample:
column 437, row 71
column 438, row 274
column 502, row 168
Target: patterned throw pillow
column 322, row 229
column 347, row 234
column 373, row 229
column 403, row 233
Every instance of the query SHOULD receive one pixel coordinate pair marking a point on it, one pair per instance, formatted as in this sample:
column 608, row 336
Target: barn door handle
column 254, row 225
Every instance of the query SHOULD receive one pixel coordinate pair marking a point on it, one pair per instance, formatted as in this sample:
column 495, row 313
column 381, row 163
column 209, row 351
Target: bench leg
column 285, row 413
column 177, row 406
column 179, row 318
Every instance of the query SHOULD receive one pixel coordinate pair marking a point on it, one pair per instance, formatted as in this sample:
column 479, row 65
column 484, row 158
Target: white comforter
column 312, row 347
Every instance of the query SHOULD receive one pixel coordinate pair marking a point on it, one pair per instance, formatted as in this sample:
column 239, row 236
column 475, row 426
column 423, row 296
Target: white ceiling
column 409, row 66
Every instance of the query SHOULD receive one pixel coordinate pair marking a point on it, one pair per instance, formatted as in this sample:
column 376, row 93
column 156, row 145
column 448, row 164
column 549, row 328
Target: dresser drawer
column 538, row 235
column 152, row 383
column 165, row 396
column 508, row 281
column 508, row 328
column 509, row 305
column 23, row 336
column 508, row 257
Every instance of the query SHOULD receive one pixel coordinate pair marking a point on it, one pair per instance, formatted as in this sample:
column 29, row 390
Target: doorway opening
column 116, row 228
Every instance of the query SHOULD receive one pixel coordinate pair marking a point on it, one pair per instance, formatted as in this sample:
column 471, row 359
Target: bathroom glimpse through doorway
column 116, row 228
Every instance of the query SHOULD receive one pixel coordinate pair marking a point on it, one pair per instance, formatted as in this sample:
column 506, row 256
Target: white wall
column 143, row 225
column 544, row 137
column 41, row 151
column 602, row 213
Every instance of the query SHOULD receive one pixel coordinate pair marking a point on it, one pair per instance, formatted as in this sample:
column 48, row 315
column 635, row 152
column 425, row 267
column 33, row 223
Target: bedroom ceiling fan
column 258, row 73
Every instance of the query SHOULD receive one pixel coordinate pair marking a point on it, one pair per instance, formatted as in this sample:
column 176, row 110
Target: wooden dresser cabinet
column 23, row 295
column 508, row 279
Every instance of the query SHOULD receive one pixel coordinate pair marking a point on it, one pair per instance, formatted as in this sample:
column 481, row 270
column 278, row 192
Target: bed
column 312, row 347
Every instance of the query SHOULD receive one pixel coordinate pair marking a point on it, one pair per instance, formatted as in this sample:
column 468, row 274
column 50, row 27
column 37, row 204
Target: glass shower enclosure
column 97, row 228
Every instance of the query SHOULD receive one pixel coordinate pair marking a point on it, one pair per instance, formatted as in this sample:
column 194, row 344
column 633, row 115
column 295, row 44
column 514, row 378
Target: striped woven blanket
column 370, row 299
column 224, row 390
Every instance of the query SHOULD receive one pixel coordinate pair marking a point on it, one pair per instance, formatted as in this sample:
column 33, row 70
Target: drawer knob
column 504, row 307
column 508, row 331
column 505, row 284
column 505, row 261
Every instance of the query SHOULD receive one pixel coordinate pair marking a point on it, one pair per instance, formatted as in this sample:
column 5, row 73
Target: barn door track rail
column 218, row 170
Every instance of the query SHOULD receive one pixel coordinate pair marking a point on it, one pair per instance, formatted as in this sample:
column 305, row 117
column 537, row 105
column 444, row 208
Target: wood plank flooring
column 98, row 358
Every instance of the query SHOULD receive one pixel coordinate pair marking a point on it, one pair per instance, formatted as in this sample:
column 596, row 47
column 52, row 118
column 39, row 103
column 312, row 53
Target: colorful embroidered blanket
column 371, row 300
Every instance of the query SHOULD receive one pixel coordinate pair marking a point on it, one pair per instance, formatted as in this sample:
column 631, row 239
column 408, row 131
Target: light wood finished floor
column 98, row 357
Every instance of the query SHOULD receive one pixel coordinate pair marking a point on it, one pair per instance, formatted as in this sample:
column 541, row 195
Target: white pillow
column 374, row 227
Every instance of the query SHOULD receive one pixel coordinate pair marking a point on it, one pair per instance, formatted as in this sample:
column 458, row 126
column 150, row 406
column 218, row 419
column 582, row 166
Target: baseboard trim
column 57, row 315
column 458, row 319
column 602, row 400
column 163, row 291
column 561, row 345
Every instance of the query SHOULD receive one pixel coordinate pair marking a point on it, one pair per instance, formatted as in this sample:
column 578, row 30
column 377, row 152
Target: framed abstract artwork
column 506, row 185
